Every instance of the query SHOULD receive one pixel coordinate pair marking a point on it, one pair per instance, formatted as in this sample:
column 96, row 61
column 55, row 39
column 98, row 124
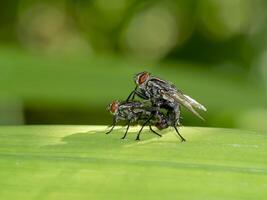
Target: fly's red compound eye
column 143, row 77
column 114, row 107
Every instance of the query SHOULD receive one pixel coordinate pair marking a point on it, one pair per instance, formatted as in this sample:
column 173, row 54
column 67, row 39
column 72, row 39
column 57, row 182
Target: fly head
column 113, row 107
column 141, row 78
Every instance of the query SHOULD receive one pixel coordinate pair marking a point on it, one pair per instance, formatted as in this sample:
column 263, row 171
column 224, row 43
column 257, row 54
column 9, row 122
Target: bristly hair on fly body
column 159, row 90
column 143, row 114
column 136, row 111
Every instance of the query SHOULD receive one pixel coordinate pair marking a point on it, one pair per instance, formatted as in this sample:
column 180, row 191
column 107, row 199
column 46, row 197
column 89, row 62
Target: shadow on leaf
column 96, row 141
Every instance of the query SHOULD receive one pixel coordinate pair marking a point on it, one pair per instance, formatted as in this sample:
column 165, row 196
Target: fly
column 163, row 93
column 137, row 112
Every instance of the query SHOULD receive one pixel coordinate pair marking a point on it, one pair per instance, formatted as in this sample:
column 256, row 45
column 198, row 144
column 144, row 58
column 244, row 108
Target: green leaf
column 81, row 162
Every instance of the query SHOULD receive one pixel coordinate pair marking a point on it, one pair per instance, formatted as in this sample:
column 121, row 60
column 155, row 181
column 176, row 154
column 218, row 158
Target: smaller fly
column 137, row 112
column 134, row 112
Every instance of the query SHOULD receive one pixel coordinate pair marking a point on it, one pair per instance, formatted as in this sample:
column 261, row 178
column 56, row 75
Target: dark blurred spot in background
column 62, row 62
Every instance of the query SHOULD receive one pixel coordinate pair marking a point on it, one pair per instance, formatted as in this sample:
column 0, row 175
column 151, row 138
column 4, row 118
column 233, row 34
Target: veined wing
column 186, row 101
column 171, row 93
column 195, row 104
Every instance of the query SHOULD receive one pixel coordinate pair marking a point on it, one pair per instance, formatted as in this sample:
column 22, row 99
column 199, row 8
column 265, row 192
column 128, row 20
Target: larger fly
column 164, row 94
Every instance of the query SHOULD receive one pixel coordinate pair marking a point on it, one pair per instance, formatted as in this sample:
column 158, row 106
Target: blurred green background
column 62, row 62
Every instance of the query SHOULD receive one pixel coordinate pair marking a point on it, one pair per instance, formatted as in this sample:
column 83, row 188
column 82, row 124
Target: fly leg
column 154, row 131
column 183, row 140
column 130, row 95
column 128, row 125
column 138, row 135
column 141, row 95
column 112, row 126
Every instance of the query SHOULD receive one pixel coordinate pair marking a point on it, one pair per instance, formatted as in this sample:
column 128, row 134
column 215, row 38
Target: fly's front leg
column 113, row 125
column 127, row 100
column 132, row 93
column 141, row 95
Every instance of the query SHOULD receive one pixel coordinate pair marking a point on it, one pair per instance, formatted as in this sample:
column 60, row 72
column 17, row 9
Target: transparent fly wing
column 195, row 104
column 189, row 103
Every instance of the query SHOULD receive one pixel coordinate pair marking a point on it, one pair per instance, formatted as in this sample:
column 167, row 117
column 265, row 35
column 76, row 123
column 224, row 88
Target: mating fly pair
column 162, row 95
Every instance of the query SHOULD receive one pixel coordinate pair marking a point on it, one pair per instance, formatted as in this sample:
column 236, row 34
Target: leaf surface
column 81, row 162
